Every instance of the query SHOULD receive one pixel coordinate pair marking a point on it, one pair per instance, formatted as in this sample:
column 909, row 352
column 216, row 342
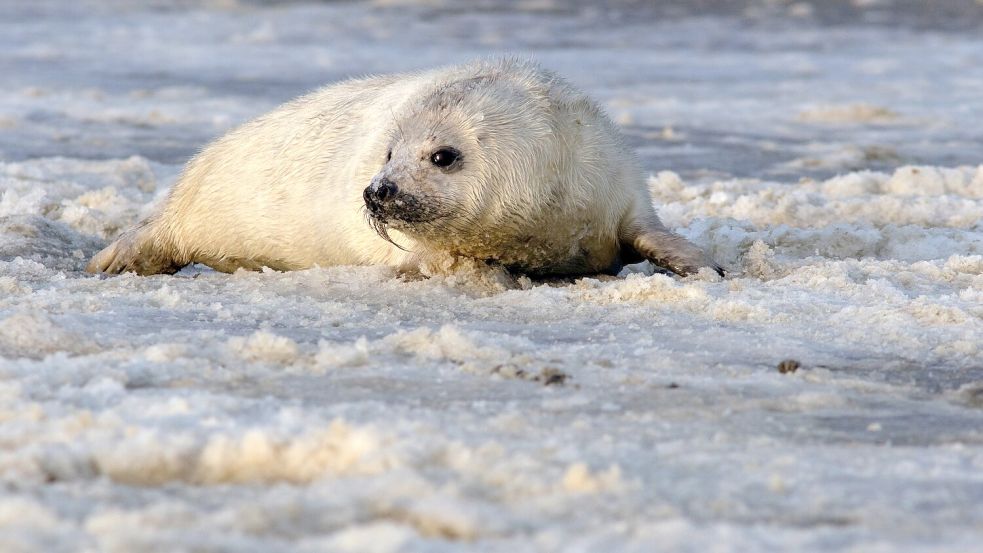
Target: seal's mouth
column 402, row 211
column 402, row 208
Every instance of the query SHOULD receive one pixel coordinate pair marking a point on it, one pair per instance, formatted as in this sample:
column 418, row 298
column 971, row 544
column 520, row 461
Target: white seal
column 499, row 161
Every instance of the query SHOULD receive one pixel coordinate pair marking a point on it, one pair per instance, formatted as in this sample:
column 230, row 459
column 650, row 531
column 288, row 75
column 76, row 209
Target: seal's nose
column 381, row 193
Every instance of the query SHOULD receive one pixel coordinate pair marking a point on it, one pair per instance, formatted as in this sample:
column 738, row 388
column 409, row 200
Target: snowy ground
column 828, row 157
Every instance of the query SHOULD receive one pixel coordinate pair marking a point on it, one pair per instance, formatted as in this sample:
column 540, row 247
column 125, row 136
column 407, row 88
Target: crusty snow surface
column 832, row 168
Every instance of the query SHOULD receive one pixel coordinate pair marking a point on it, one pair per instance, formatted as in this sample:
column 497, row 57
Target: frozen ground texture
column 829, row 159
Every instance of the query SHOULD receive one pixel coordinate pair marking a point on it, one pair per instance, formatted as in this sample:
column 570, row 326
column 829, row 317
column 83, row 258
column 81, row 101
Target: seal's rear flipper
column 664, row 248
column 135, row 251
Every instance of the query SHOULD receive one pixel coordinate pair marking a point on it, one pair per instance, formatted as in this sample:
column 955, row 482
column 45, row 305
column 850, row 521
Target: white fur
column 546, row 183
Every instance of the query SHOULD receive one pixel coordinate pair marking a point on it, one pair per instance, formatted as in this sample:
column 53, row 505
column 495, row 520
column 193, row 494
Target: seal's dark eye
column 445, row 157
column 389, row 156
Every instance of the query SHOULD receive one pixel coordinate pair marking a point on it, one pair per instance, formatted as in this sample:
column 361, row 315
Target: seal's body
column 499, row 161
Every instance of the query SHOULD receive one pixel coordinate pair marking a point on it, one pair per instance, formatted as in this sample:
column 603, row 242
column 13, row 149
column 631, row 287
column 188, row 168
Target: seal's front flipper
column 664, row 248
column 135, row 251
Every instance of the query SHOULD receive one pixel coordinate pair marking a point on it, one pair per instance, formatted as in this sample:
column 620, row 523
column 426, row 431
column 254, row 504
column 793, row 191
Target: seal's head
column 417, row 189
column 464, row 165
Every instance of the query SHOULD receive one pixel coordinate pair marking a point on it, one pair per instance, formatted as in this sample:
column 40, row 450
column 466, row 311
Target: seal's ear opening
column 665, row 249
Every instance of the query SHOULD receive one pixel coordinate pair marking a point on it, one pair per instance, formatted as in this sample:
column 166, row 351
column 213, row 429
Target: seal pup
column 495, row 160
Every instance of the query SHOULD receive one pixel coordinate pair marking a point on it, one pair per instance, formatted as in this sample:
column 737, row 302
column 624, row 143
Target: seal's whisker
column 382, row 230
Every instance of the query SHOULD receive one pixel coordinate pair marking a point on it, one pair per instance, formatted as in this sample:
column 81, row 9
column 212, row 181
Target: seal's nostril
column 379, row 193
column 387, row 189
